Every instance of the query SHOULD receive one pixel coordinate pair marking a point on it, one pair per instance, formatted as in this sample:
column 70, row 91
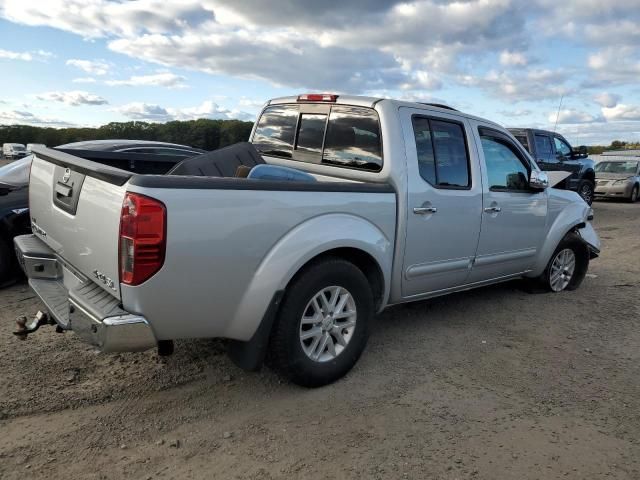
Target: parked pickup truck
column 394, row 202
column 553, row 153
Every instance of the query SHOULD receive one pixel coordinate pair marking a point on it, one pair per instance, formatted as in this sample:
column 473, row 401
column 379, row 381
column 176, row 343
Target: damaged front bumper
column 78, row 304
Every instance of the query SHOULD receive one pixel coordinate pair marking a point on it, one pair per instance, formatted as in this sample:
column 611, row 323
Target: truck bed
column 230, row 242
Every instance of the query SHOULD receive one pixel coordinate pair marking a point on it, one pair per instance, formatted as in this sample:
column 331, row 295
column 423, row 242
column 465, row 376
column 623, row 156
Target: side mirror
column 538, row 180
column 582, row 151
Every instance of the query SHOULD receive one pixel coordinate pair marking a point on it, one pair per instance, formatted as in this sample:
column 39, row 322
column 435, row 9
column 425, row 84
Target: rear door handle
column 492, row 209
column 424, row 210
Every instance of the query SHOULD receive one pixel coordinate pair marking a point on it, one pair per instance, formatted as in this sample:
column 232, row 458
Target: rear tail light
column 317, row 97
column 143, row 224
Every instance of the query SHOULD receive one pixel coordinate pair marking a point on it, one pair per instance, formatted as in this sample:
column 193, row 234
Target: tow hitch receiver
column 23, row 329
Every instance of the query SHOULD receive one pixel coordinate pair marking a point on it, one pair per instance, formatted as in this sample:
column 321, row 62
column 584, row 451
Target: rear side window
column 347, row 137
column 524, row 141
column 543, row 146
column 443, row 160
column 276, row 130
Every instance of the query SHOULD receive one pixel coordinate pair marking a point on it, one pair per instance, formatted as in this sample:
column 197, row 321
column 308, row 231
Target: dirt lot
column 490, row 384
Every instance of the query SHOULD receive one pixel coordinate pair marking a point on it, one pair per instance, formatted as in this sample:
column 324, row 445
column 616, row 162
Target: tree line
column 203, row 133
column 615, row 145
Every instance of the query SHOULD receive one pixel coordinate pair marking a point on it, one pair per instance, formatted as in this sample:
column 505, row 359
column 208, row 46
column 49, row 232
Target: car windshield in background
column 16, row 173
column 618, row 167
column 350, row 137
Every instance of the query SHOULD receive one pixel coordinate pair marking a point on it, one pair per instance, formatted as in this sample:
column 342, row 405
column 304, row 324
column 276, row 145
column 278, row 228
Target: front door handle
column 424, row 210
column 492, row 209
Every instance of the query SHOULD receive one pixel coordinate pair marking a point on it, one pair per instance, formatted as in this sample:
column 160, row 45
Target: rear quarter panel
column 229, row 251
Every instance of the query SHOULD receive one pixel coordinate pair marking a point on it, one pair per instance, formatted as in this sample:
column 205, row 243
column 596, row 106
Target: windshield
column 16, row 173
column 617, row 167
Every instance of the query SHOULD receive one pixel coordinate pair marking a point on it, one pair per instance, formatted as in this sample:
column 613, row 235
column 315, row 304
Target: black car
column 133, row 155
column 552, row 152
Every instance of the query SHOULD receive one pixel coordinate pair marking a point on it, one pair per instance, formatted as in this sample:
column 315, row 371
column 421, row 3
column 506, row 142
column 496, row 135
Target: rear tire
column 568, row 265
column 634, row 194
column 323, row 323
column 586, row 190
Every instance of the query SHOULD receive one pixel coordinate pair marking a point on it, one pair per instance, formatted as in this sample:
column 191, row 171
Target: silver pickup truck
column 394, row 202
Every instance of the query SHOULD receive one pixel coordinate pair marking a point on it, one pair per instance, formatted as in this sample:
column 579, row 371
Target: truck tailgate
column 76, row 212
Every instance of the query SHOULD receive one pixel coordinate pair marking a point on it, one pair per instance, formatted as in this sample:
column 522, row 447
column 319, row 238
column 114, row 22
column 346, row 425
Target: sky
column 523, row 63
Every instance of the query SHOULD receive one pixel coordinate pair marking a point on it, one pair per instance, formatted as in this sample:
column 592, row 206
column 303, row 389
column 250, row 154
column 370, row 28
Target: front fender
column 566, row 212
column 301, row 244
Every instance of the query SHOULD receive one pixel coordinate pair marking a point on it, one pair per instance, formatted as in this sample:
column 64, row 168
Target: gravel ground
column 490, row 384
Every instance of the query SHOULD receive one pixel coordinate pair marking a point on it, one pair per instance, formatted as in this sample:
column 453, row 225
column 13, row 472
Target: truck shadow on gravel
column 54, row 372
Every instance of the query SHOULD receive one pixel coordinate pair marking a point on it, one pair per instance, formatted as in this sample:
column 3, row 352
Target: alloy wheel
column 328, row 323
column 562, row 269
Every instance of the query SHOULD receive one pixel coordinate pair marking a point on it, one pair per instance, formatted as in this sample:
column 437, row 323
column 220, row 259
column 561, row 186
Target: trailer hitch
column 23, row 328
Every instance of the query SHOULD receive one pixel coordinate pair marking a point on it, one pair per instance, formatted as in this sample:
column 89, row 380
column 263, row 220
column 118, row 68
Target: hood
column 16, row 174
column 612, row 176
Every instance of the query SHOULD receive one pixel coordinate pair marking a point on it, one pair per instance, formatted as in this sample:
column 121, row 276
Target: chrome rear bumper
column 78, row 304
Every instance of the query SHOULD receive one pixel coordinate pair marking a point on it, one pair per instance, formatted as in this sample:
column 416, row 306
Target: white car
column 31, row 145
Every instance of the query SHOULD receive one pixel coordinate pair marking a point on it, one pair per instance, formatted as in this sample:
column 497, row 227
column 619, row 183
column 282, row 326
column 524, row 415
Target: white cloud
column 94, row 67
column 622, row 112
column 572, row 116
column 600, row 133
column 166, row 79
column 607, row 100
column 84, row 80
column 25, row 56
column 156, row 113
column 144, row 111
column 517, row 113
column 522, row 85
column 511, row 59
column 614, row 66
column 19, row 117
column 73, row 98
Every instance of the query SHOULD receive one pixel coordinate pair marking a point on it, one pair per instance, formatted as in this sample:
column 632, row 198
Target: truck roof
column 370, row 102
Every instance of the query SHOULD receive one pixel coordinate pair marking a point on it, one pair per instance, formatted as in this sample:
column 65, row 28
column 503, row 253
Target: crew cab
column 351, row 204
column 553, row 153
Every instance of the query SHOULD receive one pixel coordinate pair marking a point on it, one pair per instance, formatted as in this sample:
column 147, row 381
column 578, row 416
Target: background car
column 553, row 153
column 13, row 150
column 31, row 145
column 618, row 179
column 140, row 156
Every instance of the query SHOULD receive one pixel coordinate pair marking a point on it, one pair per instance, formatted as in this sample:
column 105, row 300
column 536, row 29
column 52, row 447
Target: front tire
column 323, row 324
column 634, row 194
column 568, row 265
column 586, row 190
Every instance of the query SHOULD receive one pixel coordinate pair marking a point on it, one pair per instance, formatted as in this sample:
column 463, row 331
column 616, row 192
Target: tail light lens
column 143, row 224
column 317, row 97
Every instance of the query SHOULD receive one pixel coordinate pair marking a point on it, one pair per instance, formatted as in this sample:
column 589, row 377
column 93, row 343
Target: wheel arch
column 570, row 219
column 352, row 238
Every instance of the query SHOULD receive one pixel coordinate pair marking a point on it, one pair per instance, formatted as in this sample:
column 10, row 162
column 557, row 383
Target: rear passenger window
column 543, row 146
column 443, row 160
column 353, row 139
column 276, row 130
column 349, row 138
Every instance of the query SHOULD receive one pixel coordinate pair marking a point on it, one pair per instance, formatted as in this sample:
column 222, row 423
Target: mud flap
column 250, row 355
